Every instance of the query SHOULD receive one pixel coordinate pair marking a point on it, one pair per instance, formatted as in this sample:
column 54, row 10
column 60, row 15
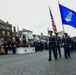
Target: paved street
column 37, row 64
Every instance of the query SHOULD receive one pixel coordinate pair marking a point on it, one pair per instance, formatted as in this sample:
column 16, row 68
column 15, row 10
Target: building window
column 0, row 32
column 8, row 33
column 0, row 26
column 7, row 28
column 3, row 32
column 3, row 27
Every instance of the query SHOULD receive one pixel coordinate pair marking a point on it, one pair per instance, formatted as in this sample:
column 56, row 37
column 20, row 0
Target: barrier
column 23, row 50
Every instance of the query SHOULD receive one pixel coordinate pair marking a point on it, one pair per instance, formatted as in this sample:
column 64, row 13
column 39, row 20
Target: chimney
column 14, row 30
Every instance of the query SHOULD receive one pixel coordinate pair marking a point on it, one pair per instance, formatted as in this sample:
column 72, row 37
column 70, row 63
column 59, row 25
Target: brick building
column 5, row 29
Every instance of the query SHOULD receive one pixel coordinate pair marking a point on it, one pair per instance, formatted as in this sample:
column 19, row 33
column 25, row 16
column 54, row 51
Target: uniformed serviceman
column 58, row 42
column 66, row 45
column 72, row 45
column 52, row 45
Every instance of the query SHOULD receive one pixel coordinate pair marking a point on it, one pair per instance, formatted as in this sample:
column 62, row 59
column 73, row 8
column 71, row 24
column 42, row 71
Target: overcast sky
column 34, row 14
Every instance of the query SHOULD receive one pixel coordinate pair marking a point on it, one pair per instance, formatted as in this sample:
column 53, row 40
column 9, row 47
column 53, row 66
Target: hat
column 65, row 33
column 50, row 31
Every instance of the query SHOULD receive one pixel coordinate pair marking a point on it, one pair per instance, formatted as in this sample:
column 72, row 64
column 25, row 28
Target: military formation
column 55, row 43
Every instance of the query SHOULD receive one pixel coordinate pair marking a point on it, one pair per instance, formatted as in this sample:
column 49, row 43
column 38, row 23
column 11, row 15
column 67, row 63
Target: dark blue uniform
column 52, row 47
column 71, row 45
column 58, row 42
column 74, row 45
column 66, row 45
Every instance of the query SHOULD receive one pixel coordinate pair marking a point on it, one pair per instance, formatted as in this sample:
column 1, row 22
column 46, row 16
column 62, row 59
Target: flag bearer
column 66, row 45
column 52, row 46
column 58, row 42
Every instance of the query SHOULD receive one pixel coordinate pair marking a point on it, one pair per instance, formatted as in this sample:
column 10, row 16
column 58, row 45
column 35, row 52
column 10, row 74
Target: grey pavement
column 37, row 64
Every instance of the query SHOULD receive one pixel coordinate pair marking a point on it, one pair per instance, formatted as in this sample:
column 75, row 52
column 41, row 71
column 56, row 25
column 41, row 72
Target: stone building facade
column 5, row 29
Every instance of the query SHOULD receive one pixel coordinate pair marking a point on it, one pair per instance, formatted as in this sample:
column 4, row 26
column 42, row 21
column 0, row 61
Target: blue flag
column 68, row 16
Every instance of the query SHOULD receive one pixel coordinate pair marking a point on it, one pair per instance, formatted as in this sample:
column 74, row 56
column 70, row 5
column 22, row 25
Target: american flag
column 53, row 23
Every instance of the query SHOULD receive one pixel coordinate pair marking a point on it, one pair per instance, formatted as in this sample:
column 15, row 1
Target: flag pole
column 62, row 24
column 47, row 30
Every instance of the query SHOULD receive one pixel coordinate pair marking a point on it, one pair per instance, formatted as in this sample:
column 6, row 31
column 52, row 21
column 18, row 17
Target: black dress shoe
column 66, row 57
column 55, row 58
column 69, row 56
column 60, row 56
column 49, row 60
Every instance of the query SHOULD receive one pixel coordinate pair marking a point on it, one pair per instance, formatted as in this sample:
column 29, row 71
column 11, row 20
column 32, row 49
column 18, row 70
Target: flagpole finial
column 49, row 6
